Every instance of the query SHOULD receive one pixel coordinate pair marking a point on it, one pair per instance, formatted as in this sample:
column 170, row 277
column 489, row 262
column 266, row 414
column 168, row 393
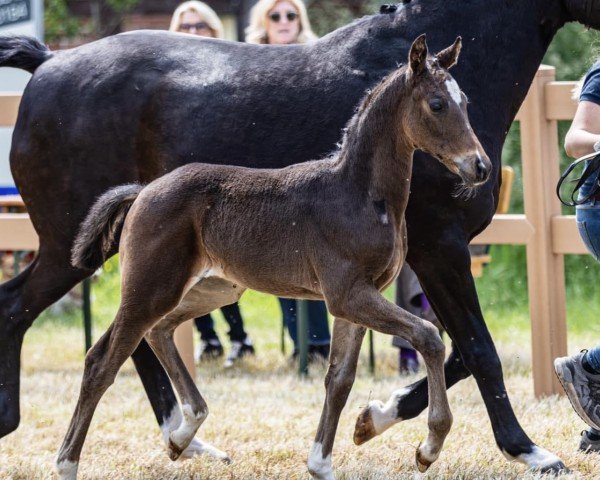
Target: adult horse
column 134, row 106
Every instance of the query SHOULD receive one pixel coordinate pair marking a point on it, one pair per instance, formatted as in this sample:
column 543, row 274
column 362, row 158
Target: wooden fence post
column 545, row 269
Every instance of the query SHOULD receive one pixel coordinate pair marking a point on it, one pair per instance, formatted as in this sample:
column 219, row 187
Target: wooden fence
column 547, row 234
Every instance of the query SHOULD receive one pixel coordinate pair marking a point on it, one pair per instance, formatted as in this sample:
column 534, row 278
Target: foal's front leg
column 364, row 305
column 345, row 347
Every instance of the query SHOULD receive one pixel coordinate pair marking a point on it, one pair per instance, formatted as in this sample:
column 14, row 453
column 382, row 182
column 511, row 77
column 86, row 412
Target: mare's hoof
column 554, row 469
column 423, row 463
column 174, row 451
column 364, row 430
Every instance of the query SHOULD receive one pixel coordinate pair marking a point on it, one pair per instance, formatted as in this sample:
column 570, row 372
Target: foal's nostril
column 481, row 170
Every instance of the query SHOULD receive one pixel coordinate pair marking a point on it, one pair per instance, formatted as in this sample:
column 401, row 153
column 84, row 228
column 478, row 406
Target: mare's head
column 435, row 118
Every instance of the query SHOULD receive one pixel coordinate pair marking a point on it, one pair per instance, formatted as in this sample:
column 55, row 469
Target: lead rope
column 589, row 170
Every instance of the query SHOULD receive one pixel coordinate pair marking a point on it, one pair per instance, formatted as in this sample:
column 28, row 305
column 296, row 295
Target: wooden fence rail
column 547, row 234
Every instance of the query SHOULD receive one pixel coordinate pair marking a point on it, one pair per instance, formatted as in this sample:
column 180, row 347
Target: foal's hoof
column 423, row 463
column 364, row 430
column 174, row 451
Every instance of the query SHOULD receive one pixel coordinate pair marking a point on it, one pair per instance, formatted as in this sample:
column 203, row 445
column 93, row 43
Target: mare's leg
column 22, row 299
column 343, row 357
column 444, row 273
column 362, row 304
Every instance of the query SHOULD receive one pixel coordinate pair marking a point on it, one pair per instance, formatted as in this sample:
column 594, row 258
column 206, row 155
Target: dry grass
column 265, row 418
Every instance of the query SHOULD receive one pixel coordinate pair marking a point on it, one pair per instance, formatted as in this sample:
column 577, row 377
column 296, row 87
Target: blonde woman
column 279, row 22
column 196, row 18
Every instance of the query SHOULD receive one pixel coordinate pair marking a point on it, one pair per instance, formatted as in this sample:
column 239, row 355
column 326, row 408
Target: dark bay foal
column 337, row 225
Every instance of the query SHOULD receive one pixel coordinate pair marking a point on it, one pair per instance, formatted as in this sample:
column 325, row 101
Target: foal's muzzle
column 474, row 168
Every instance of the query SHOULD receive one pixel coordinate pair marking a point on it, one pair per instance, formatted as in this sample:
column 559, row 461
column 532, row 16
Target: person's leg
column 240, row 341
column 206, row 327
column 288, row 311
column 234, row 319
column 210, row 346
column 319, row 338
column 580, row 374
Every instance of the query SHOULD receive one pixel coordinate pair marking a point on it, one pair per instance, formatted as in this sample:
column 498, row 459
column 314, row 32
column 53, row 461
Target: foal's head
column 435, row 118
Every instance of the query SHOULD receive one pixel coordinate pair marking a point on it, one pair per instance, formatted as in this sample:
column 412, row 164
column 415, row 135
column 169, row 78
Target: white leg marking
column 196, row 446
column 386, row 415
column 538, row 458
column 454, row 91
column 171, row 423
column 67, row 470
column 320, row 468
column 190, row 424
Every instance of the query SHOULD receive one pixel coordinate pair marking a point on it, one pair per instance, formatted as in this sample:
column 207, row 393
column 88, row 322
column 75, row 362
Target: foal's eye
column 436, row 104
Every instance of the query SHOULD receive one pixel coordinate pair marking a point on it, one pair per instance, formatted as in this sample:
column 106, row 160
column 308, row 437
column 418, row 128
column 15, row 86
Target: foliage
column 58, row 21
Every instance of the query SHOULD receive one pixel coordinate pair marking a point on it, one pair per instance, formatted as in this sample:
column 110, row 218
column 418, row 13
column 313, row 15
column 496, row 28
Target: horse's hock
column 547, row 234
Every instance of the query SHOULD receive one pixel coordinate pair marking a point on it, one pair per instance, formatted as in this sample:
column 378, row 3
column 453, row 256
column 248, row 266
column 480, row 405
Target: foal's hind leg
column 364, row 305
column 208, row 295
column 345, row 347
column 101, row 366
column 194, row 407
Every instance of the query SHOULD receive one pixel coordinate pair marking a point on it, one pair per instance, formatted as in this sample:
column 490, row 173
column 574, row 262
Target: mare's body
column 132, row 107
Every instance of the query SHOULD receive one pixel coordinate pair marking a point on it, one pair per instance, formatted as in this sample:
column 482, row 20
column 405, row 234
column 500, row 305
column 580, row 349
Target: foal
column 332, row 228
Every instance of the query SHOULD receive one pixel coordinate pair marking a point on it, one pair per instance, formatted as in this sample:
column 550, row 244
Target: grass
column 264, row 416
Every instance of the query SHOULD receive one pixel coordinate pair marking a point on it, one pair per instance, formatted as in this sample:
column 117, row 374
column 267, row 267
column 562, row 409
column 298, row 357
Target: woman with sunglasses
column 284, row 22
column 279, row 23
column 197, row 18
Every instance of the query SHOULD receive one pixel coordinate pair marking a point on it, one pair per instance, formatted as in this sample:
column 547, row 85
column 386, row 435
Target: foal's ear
column 417, row 58
column 449, row 56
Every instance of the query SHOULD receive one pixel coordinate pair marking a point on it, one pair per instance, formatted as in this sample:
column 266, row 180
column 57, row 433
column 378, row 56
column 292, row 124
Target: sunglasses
column 276, row 16
column 186, row 27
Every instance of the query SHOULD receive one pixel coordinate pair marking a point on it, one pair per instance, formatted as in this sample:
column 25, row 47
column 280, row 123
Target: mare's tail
column 102, row 227
column 23, row 52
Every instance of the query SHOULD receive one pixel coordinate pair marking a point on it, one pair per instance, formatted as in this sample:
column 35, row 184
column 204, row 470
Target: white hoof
column 67, row 470
column 198, row 447
column 320, row 468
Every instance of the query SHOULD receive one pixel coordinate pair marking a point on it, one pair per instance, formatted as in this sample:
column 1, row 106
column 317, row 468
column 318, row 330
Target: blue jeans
column 318, row 326
column 588, row 218
column 588, row 223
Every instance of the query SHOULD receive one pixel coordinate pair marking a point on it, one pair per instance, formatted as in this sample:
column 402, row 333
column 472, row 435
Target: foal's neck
column 376, row 154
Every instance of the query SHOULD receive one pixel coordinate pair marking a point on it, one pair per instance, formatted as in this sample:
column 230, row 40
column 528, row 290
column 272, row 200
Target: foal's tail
column 23, row 52
column 102, row 227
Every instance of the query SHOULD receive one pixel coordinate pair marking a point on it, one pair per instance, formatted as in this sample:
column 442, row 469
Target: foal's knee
column 428, row 342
